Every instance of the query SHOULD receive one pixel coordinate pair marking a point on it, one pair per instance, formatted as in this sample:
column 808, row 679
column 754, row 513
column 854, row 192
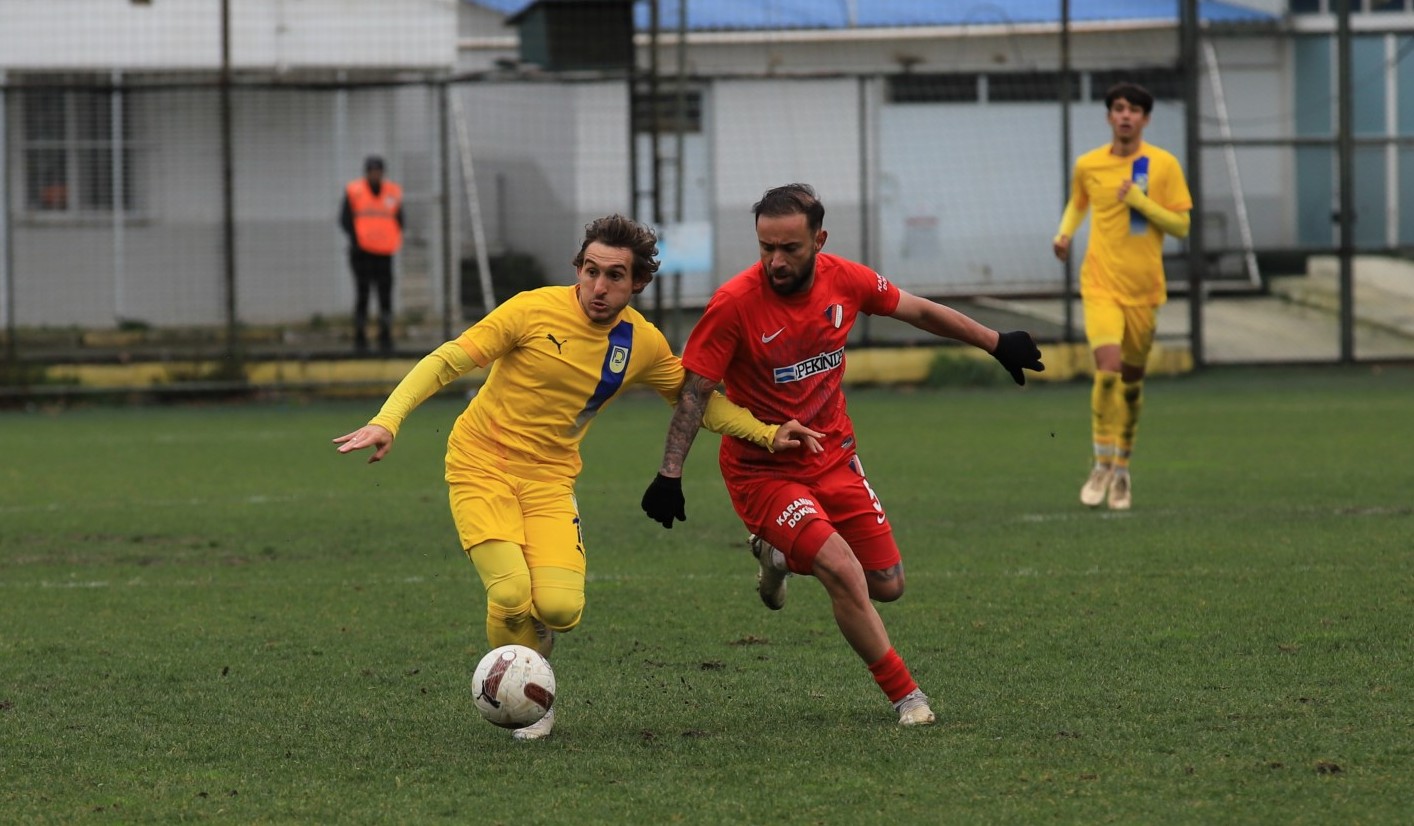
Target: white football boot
column 1097, row 485
column 770, row 579
column 537, row 730
column 1120, row 493
column 913, row 710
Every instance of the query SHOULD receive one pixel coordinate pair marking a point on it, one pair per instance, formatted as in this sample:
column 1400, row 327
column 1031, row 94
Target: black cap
column 372, row 162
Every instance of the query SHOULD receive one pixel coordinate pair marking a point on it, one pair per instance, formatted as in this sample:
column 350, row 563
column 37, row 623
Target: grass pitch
column 207, row 614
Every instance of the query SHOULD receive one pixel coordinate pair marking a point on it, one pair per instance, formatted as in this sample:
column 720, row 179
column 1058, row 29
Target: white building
column 115, row 201
column 932, row 131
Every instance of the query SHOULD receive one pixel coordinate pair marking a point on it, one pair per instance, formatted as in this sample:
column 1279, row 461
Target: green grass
column 207, row 614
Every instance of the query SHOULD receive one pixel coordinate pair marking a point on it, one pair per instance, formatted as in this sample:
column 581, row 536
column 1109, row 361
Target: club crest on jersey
column 835, row 314
column 618, row 359
column 809, row 367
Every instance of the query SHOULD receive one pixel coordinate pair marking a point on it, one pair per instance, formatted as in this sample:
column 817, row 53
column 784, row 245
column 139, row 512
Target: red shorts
column 797, row 517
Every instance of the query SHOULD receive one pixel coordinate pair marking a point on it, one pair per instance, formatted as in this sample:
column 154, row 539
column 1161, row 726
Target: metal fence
column 157, row 216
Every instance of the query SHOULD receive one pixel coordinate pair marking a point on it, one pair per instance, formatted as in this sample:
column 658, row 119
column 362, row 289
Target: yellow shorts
column 540, row 516
column 1131, row 327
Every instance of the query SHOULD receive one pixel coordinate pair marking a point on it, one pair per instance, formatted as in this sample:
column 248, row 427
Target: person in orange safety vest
column 372, row 218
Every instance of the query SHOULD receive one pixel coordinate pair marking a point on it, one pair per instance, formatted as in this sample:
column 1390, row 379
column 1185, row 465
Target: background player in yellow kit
column 559, row 354
column 1137, row 194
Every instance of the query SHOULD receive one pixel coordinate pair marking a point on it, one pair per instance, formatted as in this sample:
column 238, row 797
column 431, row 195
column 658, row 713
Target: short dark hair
column 1132, row 92
column 372, row 162
column 624, row 233
column 792, row 199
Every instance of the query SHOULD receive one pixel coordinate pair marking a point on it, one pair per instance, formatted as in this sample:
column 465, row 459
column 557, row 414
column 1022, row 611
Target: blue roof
column 775, row 15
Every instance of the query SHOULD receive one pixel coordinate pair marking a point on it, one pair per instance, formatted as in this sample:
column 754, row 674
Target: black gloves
column 1016, row 350
column 663, row 501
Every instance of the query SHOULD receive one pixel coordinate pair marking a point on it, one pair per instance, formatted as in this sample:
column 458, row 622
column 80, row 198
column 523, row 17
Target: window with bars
column 1356, row 6
column 1026, row 87
column 670, row 119
column 1163, row 84
column 933, row 88
column 70, row 155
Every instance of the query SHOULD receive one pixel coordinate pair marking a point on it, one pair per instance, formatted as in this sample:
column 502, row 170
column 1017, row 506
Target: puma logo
column 559, row 345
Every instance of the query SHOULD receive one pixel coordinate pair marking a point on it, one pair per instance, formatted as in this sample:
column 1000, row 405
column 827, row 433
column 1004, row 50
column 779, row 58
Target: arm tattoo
column 687, row 419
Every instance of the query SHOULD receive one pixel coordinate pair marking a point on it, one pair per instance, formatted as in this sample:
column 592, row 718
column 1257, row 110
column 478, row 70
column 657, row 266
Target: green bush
column 948, row 369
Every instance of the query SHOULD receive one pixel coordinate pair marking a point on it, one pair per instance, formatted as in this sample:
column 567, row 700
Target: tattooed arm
column 687, row 419
column 663, row 501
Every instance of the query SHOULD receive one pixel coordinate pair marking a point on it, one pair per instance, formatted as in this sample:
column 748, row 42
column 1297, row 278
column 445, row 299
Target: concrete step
column 1384, row 290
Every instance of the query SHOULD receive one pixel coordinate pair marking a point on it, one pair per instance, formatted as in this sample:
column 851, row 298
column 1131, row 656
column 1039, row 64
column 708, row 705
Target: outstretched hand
column 1016, row 351
column 793, row 434
column 663, row 501
column 370, row 435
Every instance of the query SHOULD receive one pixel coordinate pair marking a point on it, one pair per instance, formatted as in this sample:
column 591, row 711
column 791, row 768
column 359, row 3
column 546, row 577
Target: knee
column 838, row 570
column 509, row 596
column 560, row 611
column 886, row 590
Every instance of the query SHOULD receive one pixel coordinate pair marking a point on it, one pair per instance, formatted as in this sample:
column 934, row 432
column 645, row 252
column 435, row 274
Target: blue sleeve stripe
column 1138, row 224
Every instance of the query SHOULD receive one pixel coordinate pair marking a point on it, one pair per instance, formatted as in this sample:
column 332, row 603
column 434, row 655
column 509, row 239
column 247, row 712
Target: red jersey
column 782, row 357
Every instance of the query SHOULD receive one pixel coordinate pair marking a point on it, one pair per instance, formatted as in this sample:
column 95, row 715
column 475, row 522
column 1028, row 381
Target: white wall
column 548, row 158
column 289, row 178
column 765, row 134
column 54, row 35
column 1256, row 77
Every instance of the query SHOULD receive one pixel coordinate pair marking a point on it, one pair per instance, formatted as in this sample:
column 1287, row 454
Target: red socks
column 892, row 676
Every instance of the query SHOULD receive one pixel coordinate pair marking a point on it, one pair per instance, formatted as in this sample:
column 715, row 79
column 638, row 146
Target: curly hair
column 624, row 233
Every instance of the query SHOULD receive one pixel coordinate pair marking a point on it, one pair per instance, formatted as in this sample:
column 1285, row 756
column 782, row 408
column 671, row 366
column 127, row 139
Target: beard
column 798, row 280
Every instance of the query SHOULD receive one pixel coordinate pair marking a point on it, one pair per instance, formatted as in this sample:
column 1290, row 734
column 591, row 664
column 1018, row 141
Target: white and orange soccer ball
column 513, row 686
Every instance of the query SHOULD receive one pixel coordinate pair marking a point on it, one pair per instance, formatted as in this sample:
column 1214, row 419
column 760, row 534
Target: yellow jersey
column 1124, row 262
column 552, row 371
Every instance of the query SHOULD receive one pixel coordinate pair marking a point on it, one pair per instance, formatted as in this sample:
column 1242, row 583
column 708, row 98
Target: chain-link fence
column 151, row 215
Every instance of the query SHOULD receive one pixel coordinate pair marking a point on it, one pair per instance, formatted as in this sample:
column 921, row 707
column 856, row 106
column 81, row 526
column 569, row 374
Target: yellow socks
column 503, row 572
column 1131, row 403
column 1105, row 413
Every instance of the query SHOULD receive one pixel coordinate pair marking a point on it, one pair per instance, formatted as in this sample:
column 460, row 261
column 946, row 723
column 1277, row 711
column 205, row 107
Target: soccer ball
column 513, row 686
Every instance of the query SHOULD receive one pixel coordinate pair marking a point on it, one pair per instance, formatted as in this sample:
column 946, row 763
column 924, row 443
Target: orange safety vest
column 375, row 217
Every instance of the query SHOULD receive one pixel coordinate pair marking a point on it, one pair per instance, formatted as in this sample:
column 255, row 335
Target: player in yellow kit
column 1137, row 194
column 558, row 356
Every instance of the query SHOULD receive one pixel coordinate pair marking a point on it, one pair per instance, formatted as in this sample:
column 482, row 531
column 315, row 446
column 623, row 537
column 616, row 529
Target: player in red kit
column 775, row 335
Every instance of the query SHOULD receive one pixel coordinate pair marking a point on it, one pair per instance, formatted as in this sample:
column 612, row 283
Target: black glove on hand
column 663, row 501
column 1016, row 350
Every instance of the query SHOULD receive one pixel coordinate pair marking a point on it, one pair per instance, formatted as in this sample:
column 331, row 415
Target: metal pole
column 228, row 197
column 1234, row 172
column 631, row 64
column 656, row 149
column 473, row 206
column 1346, row 161
column 1192, row 124
column 679, row 147
column 451, row 294
column 681, row 123
column 862, row 102
column 7, row 260
column 115, row 150
column 1068, row 289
